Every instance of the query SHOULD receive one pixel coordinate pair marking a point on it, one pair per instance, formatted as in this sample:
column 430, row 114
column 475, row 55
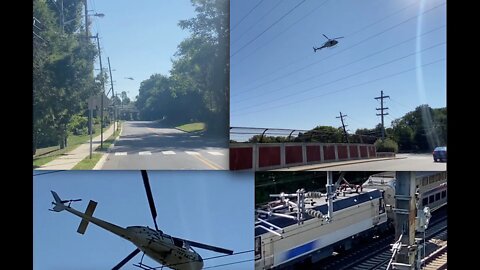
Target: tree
column 62, row 71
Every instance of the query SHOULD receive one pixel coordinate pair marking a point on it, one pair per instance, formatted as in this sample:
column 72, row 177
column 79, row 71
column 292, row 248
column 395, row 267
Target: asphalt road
column 402, row 162
column 150, row 146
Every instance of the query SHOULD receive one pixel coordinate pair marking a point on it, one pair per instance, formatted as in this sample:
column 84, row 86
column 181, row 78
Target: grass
column 87, row 163
column 199, row 126
column 73, row 141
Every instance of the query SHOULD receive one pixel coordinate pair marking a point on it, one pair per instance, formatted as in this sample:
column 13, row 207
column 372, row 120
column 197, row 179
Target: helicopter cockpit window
column 178, row 242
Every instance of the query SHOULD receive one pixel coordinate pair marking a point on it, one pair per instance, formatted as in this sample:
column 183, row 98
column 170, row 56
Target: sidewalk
column 333, row 164
column 68, row 160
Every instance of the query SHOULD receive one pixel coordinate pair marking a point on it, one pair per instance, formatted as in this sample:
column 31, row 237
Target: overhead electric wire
column 264, row 16
column 349, row 87
column 290, row 73
column 343, row 78
column 214, row 257
column 281, row 32
column 351, row 34
column 264, row 31
column 225, row 264
column 340, row 67
column 246, row 15
column 38, row 174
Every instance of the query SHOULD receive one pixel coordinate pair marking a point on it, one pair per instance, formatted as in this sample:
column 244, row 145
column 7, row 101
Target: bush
column 78, row 125
column 387, row 145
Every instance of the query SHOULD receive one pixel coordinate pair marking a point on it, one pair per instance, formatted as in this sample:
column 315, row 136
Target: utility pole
column 87, row 35
column 103, row 92
column 113, row 93
column 381, row 109
column 343, row 125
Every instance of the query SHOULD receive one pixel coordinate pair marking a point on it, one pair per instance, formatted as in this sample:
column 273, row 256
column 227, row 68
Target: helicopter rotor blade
column 205, row 246
column 146, row 183
column 325, row 36
column 337, row 38
column 128, row 258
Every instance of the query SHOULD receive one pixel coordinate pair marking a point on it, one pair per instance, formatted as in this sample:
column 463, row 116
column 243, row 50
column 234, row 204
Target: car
column 440, row 153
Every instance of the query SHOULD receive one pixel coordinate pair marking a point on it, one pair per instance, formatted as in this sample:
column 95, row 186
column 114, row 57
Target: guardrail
column 267, row 156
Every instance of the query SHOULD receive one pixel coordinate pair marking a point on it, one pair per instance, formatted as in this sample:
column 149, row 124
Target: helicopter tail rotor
column 58, row 204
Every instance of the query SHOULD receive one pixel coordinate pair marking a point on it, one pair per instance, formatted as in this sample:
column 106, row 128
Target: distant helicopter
column 172, row 252
column 129, row 78
column 329, row 43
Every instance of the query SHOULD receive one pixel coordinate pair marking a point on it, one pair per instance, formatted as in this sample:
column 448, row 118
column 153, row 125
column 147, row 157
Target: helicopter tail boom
column 88, row 213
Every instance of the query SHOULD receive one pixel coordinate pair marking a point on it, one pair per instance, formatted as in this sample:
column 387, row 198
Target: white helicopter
column 329, row 43
column 172, row 252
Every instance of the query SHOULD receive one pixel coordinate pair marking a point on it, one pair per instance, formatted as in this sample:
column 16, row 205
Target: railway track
column 377, row 254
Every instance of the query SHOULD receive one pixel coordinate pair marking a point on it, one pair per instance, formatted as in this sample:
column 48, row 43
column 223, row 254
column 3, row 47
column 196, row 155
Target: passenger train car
column 289, row 234
column 431, row 189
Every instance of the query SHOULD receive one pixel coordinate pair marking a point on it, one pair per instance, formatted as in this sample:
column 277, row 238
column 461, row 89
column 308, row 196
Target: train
column 297, row 230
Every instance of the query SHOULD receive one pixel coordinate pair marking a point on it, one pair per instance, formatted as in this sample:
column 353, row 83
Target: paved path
column 68, row 160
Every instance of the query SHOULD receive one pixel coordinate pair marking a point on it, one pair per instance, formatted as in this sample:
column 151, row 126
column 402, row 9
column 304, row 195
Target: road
column 150, row 146
column 402, row 162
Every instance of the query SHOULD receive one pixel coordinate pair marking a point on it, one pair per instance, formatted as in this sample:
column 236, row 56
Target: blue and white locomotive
column 309, row 226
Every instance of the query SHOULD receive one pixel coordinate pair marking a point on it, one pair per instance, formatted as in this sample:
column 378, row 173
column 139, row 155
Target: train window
column 444, row 194
column 425, row 201
column 424, row 181
column 431, row 199
column 437, row 196
column 258, row 248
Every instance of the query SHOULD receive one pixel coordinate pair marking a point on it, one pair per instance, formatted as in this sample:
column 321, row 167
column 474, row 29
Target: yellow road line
column 209, row 163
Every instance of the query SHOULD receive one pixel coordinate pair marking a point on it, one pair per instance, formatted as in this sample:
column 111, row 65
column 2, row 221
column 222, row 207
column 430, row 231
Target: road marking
column 168, row 152
column 120, row 153
column 210, row 164
column 145, row 153
column 192, row 153
column 215, row 153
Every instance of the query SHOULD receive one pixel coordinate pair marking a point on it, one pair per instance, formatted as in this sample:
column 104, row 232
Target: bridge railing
column 273, row 148
column 267, row 156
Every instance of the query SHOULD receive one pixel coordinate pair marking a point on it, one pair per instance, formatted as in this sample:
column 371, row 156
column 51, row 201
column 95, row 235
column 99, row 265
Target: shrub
column 78, row 125
column 387, row 145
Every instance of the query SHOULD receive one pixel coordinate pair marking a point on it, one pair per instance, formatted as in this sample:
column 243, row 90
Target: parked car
column 440, row 153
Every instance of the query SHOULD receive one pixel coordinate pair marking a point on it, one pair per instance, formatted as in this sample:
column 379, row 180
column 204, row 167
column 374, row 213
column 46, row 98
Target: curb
column 103, row 159
column 328, row 165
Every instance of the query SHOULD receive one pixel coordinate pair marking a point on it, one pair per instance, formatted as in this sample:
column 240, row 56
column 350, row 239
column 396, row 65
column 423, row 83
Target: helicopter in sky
column 129, row 78
column 173, row 252
column 329, row 43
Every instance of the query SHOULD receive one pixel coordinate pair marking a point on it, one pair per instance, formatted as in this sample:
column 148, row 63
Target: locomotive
column 305, row 227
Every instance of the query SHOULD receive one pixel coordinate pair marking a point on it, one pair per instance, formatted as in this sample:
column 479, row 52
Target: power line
column 264, row 16
column 214, row 257
column 280, row 33
column 225, row 264
column 38, row 174
column 351, row 34
column 354, row 45
column 349, row 87
column 263, row 32
column 345, row 77
column 248, row 13
column 342, row 66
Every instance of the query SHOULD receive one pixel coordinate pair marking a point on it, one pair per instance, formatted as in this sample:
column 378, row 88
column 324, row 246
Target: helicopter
column 173, row 252
column 329, row 43
column 129, row 78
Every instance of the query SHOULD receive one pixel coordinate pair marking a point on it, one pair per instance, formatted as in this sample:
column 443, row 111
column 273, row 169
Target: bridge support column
column 405, row 213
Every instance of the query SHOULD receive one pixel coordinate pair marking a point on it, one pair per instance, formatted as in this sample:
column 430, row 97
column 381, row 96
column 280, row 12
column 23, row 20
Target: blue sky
column 140, row 38
column 277, row 81
column 213, row 207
